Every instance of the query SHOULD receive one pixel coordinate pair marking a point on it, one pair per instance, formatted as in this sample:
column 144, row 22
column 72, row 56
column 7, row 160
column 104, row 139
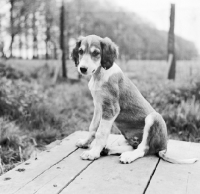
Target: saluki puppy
column 116, row 99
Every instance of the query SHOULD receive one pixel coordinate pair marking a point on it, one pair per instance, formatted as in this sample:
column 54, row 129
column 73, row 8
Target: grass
column 34, row 112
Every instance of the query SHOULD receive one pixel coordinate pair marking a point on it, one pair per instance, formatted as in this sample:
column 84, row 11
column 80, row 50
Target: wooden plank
column 23, row 174
column 61, row 174
column 177, row 178
column 108, row 175
column 57, row 177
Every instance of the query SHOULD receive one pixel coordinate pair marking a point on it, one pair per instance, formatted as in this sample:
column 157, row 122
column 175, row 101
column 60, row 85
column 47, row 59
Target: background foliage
column 34, row 29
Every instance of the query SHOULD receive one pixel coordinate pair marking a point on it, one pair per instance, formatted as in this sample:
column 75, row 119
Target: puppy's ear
column 75, row 52
column 109, row 53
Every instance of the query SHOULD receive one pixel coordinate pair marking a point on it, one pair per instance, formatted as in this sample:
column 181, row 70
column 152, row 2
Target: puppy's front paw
column 127, row 157
column 90, row 155
column 82, row 143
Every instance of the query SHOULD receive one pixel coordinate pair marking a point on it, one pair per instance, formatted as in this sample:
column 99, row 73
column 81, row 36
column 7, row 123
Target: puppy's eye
column 95, row 53
column 80, row 52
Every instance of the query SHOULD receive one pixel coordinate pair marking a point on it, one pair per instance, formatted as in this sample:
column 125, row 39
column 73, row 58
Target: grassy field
column 186, row 71
column 34, row 112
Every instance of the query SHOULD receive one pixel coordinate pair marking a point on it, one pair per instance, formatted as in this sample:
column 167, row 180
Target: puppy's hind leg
column 130, row 156
column 116, row 146
column 116, row 150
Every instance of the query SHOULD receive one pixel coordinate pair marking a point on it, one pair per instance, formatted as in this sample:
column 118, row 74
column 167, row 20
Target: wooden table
column 60, row 170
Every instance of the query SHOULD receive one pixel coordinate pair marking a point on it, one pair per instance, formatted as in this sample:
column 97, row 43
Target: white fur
column 93, row 48
column 88, row 63
column 95, row 85
column 82, row 47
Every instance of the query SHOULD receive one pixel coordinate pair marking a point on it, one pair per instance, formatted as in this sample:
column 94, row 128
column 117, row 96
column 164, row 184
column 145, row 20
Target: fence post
column 171, row 45
column 62, row 39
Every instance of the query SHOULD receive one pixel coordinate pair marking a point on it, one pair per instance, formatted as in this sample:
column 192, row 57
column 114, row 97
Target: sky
column 187, row 16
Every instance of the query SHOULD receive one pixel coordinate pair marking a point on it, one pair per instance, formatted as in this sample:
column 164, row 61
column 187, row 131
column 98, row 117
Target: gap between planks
column 46, row 160
column 150, row 178
column 47, row 170
column 74, row 178
column 177, row 178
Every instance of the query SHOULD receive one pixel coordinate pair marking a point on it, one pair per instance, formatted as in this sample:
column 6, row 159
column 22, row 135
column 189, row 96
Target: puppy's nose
column 83, row 69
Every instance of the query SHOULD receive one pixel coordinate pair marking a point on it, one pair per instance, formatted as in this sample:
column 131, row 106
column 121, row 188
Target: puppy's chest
column 95, row 88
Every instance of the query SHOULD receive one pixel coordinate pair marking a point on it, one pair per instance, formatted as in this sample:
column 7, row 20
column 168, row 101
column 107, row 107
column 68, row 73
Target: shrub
column 13, row 144
column 10, row 73
column 24, row 120
column 16, row 97
column 180, row 106
column 184, row 120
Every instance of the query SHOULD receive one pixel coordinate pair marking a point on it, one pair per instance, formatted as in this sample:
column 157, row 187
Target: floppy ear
column 75, row 52
column 109, row 53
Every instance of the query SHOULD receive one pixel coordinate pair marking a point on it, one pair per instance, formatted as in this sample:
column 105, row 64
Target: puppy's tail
column 162, row 154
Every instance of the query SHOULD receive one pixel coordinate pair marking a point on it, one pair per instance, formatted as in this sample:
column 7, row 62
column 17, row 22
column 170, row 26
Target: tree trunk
column 11, row 45
column 11, row 27
column 1, row 40
column 1, row 29
column 49, row 21
column 62, row 40
column 20, row 45
column 26, row 35
column 35, row 42
column 67, row 37
column 47, row 50
column 55, row 56
column 48, row 37
column 171, row 46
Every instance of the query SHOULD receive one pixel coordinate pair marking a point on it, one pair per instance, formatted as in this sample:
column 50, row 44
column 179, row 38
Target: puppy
column 116, row 99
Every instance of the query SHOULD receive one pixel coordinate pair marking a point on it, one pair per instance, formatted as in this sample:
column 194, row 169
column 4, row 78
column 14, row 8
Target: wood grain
column 60, row 170
column 23, row 174
column 57, row 177
column 108, row 175
column 177, row 178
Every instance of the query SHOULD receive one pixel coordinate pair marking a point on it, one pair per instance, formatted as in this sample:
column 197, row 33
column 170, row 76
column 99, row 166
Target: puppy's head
column 92, row 52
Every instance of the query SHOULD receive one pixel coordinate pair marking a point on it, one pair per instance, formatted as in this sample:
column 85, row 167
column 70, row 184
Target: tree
column 62, row 39
column 171, row 47
column 36, row 24
column 12, row 27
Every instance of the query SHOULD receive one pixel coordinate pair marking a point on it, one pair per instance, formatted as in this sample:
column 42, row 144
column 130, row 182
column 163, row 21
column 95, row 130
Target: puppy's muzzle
column 83, row 70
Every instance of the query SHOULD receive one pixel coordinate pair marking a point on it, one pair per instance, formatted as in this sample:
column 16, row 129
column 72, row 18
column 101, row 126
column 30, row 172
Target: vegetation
column 34, row 26
column 180, row 107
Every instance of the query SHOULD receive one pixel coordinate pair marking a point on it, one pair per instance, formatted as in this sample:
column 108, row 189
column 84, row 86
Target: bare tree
column 62, row 39
column 12, row 31
column 1, row 40
column 35, row 41
column 171, row 47
column 49, row 21
column 40, row 21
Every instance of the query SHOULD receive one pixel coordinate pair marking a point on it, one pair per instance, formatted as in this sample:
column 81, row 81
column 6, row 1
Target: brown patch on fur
column 157, row 137
column 134, row 108
column 134, row 137
column 119, row 91
column 109, row 53
column 75, row 52
column 110, row 103
column 109, row 109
